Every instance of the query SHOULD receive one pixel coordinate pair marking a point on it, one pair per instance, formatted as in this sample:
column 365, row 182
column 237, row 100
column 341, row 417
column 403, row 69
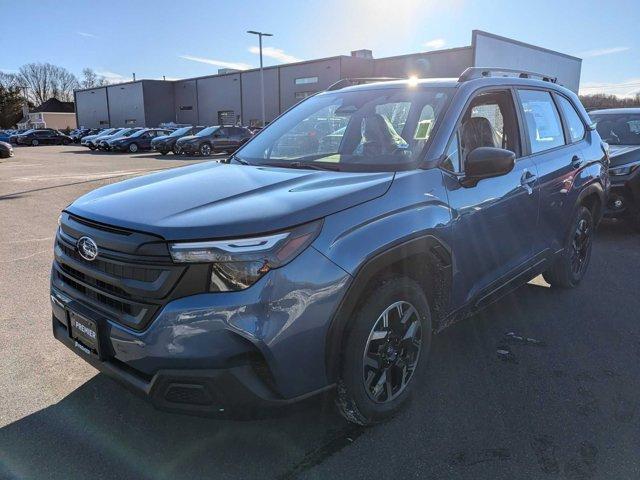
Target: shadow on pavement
column 102, row 431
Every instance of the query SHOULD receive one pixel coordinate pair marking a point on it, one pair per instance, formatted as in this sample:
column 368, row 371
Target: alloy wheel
column 392, row 352
column 205, row 149
column 580, row 246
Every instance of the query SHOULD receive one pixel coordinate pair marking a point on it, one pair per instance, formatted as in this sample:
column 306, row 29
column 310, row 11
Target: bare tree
column 91, row 79
column 44, row 80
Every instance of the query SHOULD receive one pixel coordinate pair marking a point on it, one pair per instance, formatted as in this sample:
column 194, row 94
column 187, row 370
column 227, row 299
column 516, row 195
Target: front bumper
column 189, row 148
column 624, row 196
column 263, row 346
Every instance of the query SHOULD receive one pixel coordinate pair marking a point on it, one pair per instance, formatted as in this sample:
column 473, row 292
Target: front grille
column 121, row 284
column 143, row 274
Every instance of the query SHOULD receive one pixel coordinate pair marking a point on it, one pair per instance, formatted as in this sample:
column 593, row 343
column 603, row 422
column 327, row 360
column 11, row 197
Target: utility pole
column 260, row 35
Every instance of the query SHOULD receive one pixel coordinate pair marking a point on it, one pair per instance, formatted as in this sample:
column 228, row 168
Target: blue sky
column 188, row 38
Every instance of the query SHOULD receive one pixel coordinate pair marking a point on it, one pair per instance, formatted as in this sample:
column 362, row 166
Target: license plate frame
column 85, row 334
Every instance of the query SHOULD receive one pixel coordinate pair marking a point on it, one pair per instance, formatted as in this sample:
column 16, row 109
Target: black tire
column 163, row 152
column 571, row 266
column 205, row 150
column 65, row 142
column 34, row 143
column 133, row 148
column 354, row 397
column 92, row 146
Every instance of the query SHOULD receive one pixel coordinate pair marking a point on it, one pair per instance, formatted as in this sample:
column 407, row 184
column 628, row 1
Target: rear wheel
column 163, row 152
column 133, row 148
column 386, row 347
column 205, row 149
column 570, row 268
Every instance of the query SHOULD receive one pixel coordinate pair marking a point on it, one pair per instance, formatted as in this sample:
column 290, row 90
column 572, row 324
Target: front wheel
column 133, row 148
column 205, row 150
column 571, row 266
column 34, row 143
column 386, row 348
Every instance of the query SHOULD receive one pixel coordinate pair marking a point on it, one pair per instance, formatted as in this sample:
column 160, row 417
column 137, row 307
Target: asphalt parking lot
column 565, row 404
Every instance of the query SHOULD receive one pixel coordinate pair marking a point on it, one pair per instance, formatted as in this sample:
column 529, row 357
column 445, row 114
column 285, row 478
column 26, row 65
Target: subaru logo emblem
column 87, row 248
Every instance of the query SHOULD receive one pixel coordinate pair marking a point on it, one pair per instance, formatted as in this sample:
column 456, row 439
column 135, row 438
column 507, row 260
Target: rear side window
column 576, row 127
column 542, row 120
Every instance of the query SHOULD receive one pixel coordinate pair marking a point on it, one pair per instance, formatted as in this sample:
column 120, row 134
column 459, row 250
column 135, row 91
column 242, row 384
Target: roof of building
column 56, row 106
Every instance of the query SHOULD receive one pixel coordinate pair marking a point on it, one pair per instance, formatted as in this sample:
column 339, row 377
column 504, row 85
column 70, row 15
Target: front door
column 495, row 221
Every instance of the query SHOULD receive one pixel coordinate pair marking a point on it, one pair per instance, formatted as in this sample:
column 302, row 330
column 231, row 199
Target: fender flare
column 377, row 262
column 593, row 188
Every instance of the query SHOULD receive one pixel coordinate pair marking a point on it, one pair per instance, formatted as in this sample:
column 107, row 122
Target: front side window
column 618, row 128
column 489, row 121
column 372, row 129
column 574, row 123
column 542, row 120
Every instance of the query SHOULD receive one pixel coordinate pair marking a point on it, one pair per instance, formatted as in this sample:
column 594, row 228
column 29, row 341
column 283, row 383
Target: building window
column 306, row 80
column 301, row 95
column 103, row 122
column 130, row 121
column 186, row 107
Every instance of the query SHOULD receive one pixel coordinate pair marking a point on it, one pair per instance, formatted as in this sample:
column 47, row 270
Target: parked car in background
column 77, row 134
column 13, row 138
column 214, row 139
column 281, row 274
column 167, row 143
column 6, row 150
column 95, row 141
column 5, row 135
column 620, row 128
column 138, row 141
column 87, row 141
column 46, row 136
column 102, row 143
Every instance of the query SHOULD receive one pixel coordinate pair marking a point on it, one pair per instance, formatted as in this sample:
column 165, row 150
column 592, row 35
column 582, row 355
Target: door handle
column 527, row 180
column 576, row 162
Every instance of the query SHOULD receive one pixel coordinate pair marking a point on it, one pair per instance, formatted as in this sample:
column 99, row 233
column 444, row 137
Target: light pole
column 260, row 35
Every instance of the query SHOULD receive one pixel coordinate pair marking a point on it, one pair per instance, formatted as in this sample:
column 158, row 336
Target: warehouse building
column 232, row 97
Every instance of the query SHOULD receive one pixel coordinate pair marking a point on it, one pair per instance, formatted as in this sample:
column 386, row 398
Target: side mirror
column 487, row 162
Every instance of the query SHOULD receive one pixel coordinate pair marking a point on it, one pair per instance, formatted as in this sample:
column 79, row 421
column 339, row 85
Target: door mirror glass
column 487, row 162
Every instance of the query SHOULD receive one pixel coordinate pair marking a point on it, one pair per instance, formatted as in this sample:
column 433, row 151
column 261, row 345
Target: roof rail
column 349, row 82
column 472, row 73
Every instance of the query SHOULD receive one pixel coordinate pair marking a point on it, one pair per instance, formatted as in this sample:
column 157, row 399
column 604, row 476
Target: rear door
column 556, row 146
column 495, row 222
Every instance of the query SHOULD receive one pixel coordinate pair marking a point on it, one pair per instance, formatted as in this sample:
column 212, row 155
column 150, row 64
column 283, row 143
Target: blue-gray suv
column 330, row 248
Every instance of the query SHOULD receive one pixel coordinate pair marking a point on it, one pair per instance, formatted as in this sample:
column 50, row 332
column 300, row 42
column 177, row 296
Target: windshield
column 381, row 129
column 180, row 132
column 207, row 131
column 618, row 128
column 137, row 133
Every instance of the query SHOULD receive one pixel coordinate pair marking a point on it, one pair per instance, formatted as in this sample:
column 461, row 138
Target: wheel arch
column 594, row 198
column 425, row 259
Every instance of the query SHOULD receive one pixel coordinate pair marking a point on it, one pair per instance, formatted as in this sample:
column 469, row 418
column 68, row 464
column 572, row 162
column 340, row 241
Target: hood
column 160, row 139
column 623, row 154
column 213, row 200
column 187, row 138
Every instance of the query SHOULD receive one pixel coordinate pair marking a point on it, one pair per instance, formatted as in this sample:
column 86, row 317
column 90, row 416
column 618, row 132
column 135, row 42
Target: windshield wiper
column 238, row 159
column 305, row 165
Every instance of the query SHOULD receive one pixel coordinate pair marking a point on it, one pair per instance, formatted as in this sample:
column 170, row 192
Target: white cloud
column 435, row 44
column 627, row 88
column 217, row 63
column 599, row 52
column 86, row 34
column 113, row 77
column 275, row 53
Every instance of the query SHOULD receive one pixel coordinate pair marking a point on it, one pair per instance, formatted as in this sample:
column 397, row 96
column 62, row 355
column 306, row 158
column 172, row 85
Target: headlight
column 624, row 170
column 238, row 264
